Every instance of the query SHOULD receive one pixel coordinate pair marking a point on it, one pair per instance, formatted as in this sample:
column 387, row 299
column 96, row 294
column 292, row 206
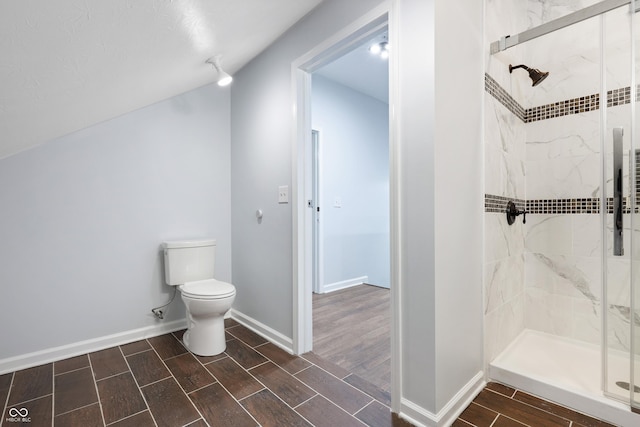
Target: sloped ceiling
column 68, row 64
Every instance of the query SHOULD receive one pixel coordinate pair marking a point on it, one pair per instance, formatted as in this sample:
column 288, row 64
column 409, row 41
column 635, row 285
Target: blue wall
column 354, row 140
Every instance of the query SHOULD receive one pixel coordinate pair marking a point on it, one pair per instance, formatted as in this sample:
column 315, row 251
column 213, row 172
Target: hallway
column 352, row 328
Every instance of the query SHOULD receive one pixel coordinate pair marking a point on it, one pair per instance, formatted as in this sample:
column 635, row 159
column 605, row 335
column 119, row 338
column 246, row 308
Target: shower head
column 536, row 75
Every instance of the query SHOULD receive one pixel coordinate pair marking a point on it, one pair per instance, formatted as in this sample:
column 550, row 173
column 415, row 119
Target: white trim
column 395, row 213
column 386, row 14
column 301, row 268
column 317, row 217
column 344, row 284
column 335, row 46
column 419, row 416
column 263, row 330
column 88, row 346
column 344, row 40
column 54, row 354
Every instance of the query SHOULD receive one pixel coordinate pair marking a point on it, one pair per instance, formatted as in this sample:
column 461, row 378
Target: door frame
column 316, row 196
column 384, row 17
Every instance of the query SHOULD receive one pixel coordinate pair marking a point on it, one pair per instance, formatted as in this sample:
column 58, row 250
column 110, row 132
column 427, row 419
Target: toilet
column 189, row 265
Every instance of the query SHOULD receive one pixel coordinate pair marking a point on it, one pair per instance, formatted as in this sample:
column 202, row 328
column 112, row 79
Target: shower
column 562, row 292
column 536, row 75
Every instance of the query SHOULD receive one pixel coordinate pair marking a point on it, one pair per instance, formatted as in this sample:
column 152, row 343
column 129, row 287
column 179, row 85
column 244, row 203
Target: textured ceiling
column 68, row 64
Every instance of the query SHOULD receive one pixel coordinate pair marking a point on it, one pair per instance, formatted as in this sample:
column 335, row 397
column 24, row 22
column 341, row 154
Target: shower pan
column 576, row 338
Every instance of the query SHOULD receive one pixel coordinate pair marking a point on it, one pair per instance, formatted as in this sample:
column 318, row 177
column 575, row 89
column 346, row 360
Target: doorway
column 350, row 188
column 350, row 150
column 373, row 24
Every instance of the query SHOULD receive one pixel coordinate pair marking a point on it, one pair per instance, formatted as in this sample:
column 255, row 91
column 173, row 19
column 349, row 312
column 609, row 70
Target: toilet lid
column 208, row 289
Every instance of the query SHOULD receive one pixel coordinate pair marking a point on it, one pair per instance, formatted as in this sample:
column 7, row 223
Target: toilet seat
column 207, row 289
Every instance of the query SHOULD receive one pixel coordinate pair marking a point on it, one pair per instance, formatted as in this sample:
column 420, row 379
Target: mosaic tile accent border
column 493, row 203
column 499, row 93
column 621, row 96
column 582, row 104
column 563, row 108
column 589, row 205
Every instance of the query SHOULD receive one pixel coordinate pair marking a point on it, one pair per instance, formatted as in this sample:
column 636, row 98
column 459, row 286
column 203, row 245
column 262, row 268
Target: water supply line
column 158, row 312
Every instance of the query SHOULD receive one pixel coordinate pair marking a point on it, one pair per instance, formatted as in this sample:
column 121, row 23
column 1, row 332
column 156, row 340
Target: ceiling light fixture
column 381, row 49
column 224, row 79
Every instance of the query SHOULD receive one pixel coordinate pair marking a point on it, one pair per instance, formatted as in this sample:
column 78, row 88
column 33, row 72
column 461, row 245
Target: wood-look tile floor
column 157, row 382
column 501, row 406
column 352, row 328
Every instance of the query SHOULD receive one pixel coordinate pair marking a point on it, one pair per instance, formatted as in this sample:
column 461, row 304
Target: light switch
column 283, row 194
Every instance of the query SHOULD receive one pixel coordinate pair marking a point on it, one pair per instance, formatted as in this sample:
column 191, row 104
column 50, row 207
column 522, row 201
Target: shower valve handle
column 513, row 212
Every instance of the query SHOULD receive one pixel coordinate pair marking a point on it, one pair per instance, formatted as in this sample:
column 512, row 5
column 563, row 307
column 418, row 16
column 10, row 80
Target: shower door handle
column 618, row 247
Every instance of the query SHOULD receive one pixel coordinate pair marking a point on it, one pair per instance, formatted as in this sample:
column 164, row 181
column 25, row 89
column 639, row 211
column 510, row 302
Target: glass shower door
column 617, row 109
column 635, row 214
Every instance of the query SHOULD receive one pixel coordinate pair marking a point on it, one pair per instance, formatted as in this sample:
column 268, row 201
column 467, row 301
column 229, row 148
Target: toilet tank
column 188, row 261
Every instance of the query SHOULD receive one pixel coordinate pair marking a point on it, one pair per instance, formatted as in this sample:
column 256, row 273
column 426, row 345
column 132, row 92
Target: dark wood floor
column 352, row 327
column 157, row 382
column 501, row 406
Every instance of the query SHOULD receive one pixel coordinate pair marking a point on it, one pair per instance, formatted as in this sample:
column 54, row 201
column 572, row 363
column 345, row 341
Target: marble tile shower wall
column 546, row 274
column 504, row 245
column 505, row 150
column 563, row 259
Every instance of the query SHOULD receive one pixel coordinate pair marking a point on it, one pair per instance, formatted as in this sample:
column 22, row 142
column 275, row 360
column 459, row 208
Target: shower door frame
column 592, row 11
column 633, row 190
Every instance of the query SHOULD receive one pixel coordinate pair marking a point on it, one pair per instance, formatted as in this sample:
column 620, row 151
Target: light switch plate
column 283, row 194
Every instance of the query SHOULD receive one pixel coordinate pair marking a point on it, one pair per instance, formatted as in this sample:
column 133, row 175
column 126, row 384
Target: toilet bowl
column 206, row 301
column 189, row 265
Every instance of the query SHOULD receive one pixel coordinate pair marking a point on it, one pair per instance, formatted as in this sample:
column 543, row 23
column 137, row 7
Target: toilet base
column 206, row 338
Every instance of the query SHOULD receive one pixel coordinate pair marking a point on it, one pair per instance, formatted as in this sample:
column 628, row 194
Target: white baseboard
column 263, row 330
column 336, row 286
column 419, row 416
column 49, row 355
column 54, row 354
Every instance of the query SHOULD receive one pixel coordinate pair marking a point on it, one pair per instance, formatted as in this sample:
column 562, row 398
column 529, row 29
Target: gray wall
column 458, row 200
column 261, row 156
column 354, row 135
column 439, row 114
column 83, row 217
column 440, row 179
